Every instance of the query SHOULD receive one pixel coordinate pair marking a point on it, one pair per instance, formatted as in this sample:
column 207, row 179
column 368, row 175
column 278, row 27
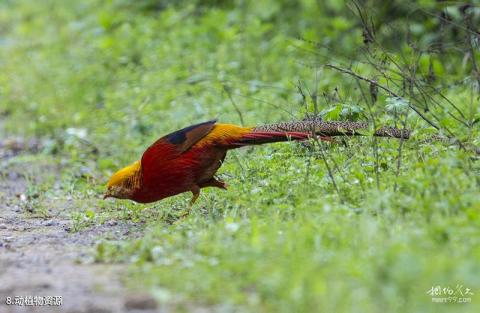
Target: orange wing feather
column 224, row 135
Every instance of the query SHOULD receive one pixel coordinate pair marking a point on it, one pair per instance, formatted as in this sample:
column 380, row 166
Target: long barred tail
column 262, row 137
column 301, row 130
column 332, row 128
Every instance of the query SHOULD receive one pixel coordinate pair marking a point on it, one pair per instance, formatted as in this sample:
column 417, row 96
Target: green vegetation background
column 98, row 81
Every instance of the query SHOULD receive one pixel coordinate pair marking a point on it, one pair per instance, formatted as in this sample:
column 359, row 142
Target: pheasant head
column 124, row 183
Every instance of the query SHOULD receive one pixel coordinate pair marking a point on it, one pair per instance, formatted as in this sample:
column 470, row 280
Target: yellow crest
column 121, row 175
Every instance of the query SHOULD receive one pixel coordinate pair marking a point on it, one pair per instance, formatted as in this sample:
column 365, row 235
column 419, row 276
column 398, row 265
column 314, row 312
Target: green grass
column 281, row 241
column 98, row 81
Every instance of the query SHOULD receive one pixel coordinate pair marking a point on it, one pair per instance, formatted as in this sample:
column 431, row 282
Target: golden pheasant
column 187, row 160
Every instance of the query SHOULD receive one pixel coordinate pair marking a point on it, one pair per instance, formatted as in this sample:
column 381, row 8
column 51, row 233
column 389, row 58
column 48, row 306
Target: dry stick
column 235, row 106
column 468, row 29
column 329, row 170
column 423, row 93
column 400, row 146
column 315, row 137
column 460, row 144
column 369, row 37
column 304, row 98
column 349, row 72
column 337, row 168
column 314, row 98
column 375, row 140
column 375, row 65
column 399, row 158
column 266, row 102
column 307, row 174
column 457, row 141
column 400, row 68
column 413, row 97
column 471, row 32
column 438, row 92
column 304, row 102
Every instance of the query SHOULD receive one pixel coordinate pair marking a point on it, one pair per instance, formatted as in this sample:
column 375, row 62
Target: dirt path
column 41, row 257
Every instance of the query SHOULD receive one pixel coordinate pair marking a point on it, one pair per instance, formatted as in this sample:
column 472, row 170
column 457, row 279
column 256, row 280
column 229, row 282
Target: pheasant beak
column 107, row 194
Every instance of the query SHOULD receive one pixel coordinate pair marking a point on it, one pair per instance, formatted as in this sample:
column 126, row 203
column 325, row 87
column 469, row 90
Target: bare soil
column 41, row 256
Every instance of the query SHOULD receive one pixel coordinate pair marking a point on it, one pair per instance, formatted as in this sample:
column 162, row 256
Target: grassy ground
column 95, row 82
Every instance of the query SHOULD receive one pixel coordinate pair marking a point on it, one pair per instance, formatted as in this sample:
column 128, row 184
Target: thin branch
column 235, row 106
column 375, row 140
column 329, row 170
column 371, row 81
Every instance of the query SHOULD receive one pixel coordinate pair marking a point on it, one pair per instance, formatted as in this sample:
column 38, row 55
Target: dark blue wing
column 190, row 134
